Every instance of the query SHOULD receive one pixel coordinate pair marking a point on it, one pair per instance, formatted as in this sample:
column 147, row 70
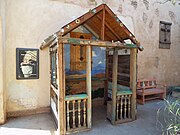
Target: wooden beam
column 61, row 89
column 82, row 19
column 109, row 27
column 77, row 41
column 133, row 80
column 114, row 85
column 91, row 31
column 103, row 38
column 88, row 85
column 125, row 29
column 73, row 25
column 103, row 25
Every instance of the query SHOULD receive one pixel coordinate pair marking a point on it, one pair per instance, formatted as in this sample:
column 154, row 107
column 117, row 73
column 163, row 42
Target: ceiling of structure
column 102, row 22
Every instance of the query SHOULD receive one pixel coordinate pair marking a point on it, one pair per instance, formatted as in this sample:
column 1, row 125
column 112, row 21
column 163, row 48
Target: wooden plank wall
column 123, row 69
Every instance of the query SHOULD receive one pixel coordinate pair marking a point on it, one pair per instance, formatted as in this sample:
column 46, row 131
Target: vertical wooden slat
column 117, row 109
column 79, row 113
column 61, row 90
column 88, row 84
column 74, row 119
column 129, row 105
column 68, row 124
column 133, row 80
column 84, row 112
column 125, row 106
column 114, row 84
column 121, row 105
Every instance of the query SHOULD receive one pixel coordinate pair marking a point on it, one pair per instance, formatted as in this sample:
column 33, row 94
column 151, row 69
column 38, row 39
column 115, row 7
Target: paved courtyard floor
column 43, row 124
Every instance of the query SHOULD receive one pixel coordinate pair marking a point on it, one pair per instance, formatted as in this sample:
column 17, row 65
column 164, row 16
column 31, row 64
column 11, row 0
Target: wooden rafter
column 80, row 20
column 103, row 24
column 91, row 30
column 113, row 32
column 95, row 19
column 130, row 35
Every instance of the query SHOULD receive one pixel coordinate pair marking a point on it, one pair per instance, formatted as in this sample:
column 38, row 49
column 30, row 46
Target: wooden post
column 88, row 84
column 102, row 38
column 61, row 89
column 106, row 81
column 114, row 84
column 133, row 80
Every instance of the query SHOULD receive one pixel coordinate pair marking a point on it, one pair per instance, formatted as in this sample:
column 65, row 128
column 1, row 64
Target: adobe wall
column 29, row 22
column 2, row 63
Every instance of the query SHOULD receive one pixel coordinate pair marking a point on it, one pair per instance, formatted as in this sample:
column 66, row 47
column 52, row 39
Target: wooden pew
column 148, row 89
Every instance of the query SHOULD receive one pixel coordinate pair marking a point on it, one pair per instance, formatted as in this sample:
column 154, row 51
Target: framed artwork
column 27, row 63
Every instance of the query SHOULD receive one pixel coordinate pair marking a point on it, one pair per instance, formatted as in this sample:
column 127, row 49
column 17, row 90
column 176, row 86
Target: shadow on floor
column 43, row 124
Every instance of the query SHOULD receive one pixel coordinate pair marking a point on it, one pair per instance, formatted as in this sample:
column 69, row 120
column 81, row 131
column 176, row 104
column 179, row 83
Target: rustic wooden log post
column 114, row 84
column 61, row 88
column 133, row 80
column 88, row 84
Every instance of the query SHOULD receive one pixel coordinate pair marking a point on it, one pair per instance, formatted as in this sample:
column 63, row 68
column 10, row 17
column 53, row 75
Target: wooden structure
column 73, row 112
column 147, row 89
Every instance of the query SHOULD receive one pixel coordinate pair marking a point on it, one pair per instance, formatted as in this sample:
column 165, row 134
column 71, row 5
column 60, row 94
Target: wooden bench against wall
column 148, row 89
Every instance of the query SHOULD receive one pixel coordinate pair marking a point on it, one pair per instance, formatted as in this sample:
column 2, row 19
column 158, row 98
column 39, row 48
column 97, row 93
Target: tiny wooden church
column 71, row 94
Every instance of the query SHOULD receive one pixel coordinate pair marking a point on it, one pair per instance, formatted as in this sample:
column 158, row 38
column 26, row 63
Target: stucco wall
column 2, row 63
column 29, row 22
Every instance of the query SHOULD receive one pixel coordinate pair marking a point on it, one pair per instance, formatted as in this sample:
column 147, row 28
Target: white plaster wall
column 1, row 77
column 2, row 63
column 29, row 22
column 162, row 64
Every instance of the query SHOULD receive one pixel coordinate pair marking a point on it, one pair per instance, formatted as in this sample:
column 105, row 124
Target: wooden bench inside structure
column 148, row 89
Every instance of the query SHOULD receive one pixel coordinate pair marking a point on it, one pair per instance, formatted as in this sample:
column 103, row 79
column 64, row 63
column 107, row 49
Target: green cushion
column 124, row 92
column 76, row 97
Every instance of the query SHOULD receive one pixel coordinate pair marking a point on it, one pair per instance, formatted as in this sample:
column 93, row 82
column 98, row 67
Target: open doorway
column 75, row 58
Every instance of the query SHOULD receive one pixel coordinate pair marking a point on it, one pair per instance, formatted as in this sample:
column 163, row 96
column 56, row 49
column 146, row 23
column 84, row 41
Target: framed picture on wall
column 27, row 63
